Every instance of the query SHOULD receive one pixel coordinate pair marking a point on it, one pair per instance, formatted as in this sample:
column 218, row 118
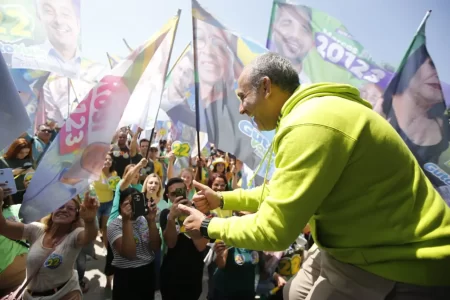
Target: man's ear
column 267, row 86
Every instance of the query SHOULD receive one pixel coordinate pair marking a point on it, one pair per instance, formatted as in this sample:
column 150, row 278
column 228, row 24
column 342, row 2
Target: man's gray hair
column 280, row 71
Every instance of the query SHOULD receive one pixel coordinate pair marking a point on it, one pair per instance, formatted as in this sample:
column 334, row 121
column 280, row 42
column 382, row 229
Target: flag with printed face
column 221, row 55
column 179, row 105
column 415, row 106
column 76, row 156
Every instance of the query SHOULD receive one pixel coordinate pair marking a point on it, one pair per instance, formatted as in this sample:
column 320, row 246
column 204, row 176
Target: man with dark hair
column 382, row 229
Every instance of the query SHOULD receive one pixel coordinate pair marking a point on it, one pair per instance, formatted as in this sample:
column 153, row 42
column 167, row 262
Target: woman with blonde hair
column 152, row 189
column 55, row 245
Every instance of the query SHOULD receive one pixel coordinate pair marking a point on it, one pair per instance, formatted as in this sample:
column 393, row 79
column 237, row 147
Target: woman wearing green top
column 13, row 254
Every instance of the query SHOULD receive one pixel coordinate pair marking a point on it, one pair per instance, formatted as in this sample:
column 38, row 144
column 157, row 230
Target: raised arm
column 310, row 159
column 128, row 178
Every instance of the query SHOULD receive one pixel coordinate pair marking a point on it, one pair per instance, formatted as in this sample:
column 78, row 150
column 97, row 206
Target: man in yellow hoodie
column 382, row 229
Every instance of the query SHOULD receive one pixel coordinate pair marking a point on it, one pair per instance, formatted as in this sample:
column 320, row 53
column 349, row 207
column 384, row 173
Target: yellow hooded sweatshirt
column 343, row 168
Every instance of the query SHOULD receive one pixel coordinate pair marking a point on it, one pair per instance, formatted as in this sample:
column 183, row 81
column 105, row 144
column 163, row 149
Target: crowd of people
column 144, row 255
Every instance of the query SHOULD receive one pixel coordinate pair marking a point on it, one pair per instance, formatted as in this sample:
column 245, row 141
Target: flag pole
column 411, row 45
column 126, row 44
column 168, row 59
column 109, row 60
column 68, row 97
column 197, row 93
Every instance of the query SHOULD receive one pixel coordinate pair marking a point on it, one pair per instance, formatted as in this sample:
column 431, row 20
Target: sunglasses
column 46, row 130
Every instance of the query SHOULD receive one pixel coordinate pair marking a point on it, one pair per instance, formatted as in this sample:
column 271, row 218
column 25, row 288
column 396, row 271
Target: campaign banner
column 144, row 104
column 29, row 84
column 221, row 57
column 414, row 104
column 323, row 50
column 75, row 158
column 42, row 35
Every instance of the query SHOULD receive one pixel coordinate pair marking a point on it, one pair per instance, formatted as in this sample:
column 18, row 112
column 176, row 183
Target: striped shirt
column 144, row 255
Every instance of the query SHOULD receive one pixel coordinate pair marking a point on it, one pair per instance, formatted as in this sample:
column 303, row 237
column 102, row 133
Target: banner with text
column 76, row 156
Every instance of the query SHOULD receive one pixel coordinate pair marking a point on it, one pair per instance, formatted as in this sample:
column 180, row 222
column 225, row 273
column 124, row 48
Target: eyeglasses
column 46, row 130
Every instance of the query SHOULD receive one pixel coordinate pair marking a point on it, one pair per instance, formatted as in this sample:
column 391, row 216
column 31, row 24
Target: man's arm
column 310, row 160
column 248, row 200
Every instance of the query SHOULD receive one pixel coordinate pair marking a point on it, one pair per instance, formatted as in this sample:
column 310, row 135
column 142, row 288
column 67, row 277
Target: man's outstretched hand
column 206, row 199
column 193, row 221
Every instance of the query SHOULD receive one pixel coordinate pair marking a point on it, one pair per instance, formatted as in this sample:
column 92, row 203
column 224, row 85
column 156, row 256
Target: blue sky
column 384, row 27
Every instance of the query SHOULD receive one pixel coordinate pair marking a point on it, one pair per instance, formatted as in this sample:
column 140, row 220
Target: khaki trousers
column 324, row 278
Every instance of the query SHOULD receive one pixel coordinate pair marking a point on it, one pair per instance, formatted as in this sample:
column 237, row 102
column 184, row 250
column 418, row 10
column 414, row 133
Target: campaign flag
column 221, row 55
column 178, row 102
column 322, row 50
column 42, row 35
column 62, row 94
column 414, row 105
column 13, row 115
column 29, row 84
column 76, row 156
column 143, row 106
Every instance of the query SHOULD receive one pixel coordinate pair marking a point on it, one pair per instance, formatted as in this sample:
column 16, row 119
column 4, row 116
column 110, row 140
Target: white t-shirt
column 58, row 266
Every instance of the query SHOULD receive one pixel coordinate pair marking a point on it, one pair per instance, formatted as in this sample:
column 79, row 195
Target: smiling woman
column 55, row 245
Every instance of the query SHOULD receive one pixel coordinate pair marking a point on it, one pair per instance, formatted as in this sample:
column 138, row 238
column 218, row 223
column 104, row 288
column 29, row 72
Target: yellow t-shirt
column 102, row 188
column 158, row 168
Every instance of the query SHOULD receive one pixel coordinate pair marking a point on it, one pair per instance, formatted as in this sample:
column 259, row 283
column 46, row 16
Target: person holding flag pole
column 382, row 229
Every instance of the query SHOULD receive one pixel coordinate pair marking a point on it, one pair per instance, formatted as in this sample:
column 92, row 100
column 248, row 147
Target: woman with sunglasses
column 55, row 245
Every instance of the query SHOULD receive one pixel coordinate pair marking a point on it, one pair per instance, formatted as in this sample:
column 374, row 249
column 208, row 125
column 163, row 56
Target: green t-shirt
column 238, row 276
column 115, row 208
column 9, row 249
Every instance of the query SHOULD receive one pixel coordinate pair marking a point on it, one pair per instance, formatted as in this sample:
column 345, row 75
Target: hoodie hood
column 306, row 92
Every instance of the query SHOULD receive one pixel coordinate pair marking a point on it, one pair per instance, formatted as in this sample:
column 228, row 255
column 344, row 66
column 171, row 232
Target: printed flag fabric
column 178, row 102
column 13, row 115
column 76, row 156
column 58, row 89
column 221, row 56
column 29, row 84
column 143, row 106
column 323, row 50
column 414, row 105
column 42, row 35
